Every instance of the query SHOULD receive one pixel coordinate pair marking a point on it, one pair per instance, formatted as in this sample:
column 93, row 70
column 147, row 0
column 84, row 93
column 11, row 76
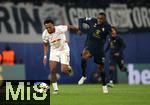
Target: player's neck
column 53, row 31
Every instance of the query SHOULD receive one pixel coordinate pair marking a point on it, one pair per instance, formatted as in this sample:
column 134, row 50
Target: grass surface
column 91, row 94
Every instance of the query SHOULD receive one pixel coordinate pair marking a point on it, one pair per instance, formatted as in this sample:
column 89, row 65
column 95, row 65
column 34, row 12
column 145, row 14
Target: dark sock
column 103, row 78
column 111, row 75
column 83, row 66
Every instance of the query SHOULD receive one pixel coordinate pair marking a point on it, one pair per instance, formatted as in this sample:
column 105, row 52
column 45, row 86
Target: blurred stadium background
column 21, row 27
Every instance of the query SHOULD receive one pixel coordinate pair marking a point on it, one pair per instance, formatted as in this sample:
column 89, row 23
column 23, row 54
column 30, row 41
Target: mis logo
column 26, row 92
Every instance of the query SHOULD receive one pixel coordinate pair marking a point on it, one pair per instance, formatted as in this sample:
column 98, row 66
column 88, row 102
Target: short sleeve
column 45, row 37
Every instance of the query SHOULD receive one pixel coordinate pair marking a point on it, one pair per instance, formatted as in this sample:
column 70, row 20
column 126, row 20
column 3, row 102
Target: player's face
column 49, row 27
column 113, row 32
column 100, row 19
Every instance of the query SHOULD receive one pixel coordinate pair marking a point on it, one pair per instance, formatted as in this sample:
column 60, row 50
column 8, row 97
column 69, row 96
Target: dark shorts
column 97, row 54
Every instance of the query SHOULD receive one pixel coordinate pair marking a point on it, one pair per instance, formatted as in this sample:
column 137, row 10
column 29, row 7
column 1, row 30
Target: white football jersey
column 57, row 40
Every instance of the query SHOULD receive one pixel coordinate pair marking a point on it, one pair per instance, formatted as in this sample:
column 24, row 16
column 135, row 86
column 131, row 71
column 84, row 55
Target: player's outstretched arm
column 45, row 52
column 74, row 29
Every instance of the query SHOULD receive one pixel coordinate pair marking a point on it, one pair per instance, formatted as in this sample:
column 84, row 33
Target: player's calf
column 67, row 69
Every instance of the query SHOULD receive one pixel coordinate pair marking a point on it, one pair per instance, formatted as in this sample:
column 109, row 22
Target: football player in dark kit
column 97, row 33
column 116, row 47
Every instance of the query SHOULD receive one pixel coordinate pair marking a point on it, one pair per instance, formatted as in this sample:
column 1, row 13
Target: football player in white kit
column 59, row 49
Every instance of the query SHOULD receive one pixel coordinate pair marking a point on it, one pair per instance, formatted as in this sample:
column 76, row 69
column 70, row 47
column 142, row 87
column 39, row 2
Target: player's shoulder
column 44, row 32
column 91, row 19
column 45, row 35
column 88, row 18
column 107, row 24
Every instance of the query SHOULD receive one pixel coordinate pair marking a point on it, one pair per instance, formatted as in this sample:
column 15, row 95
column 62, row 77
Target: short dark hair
column 48, row 20
column 102, row 13
column 115, row 28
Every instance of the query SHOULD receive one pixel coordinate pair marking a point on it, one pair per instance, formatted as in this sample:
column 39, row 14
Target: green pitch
column 91, row 94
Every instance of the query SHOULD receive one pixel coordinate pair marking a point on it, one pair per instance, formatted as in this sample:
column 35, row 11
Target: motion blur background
column 21, row 27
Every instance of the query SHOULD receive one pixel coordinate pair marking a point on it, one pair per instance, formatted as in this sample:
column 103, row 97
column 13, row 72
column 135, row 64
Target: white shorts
column 60, row 56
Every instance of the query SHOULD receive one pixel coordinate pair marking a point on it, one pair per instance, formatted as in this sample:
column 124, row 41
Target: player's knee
column 53, row 71
column 64, row 69
column 86, row 56
column 123, row 68
column 52, row 68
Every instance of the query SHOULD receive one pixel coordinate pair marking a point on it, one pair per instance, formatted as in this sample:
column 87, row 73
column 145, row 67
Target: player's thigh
column 112, row 67
column 64, row 60
column 112, row 63
column 65, row 57
column 53, row 60
column 86, row 54
column 54, row 56
column 99, row 57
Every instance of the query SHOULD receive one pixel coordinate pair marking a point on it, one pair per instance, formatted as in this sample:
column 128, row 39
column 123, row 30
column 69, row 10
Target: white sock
column 55, row 86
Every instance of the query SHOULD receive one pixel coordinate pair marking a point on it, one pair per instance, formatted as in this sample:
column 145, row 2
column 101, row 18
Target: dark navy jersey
column 96, row 33
column 116, row 45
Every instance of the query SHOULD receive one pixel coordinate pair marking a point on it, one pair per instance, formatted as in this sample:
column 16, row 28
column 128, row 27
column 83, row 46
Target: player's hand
column 116, row 54
column 44, row 60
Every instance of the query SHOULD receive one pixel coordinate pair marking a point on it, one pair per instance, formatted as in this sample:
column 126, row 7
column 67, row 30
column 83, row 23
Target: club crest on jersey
column 97, row 33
